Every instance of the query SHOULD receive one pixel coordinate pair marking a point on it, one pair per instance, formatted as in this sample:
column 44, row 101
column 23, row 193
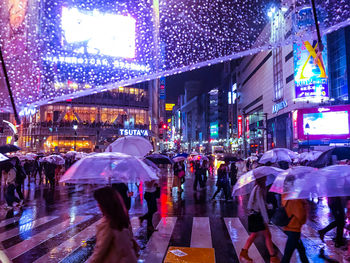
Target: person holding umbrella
column 151, row 199
column 258, row 221
column 9, row 174
column 114, row 238
column 296, row 212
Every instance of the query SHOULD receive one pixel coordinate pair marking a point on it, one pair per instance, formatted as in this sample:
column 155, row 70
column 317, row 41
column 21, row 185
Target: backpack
column 280, row 217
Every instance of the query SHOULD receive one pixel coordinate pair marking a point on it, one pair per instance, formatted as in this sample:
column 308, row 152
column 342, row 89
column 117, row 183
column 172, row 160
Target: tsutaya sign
column 136, row 132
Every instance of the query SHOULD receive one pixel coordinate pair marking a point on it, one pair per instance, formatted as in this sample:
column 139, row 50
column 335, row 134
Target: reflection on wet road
column 59, row 225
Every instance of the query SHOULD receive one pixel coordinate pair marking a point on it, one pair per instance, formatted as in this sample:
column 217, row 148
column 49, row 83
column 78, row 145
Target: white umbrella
column 246, row 182
column 331, row 181
column 296, row 173
column 3, row 157
column 277, row 155
column 56, row 159
column 105, row 168
column 309, row 156
column 131, row 145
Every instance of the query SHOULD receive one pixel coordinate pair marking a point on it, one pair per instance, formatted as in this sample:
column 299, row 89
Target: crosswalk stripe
column 201, row 235
column 25, row 227
column 279, row 238
column 69, row 246
column 41, row 237
column 158, row 243
column 9, row 221
column 239, row 236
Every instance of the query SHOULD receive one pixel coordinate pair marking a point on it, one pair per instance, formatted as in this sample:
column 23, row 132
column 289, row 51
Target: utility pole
column 266, row 139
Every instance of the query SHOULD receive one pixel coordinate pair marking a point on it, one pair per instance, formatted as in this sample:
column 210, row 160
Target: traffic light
column 164, row 126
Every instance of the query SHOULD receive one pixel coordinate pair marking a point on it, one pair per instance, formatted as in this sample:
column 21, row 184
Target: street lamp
column 307, row 129
column 271, row 12
column 75, row 127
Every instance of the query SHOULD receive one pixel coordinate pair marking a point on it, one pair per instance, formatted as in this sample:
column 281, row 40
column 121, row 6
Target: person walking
column 205, row 168
column 337, row 210
column 177, row 180
column 197, row 176
column 20, row 177
column 258, row 221
column 49, row 169
column 38, row 169
column 115, row 242
column 151, row 199
column 222, row 182
column 9, row 174
column 296, row 211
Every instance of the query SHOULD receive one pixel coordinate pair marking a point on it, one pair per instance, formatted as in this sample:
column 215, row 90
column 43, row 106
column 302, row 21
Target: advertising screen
column 330, row 123
column 214, row 130
column 94, row 32
column 310, row 70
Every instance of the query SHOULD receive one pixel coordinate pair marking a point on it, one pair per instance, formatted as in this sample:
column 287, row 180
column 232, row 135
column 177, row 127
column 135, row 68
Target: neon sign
column 97, row 62
column 239, row 126
column 128, row 132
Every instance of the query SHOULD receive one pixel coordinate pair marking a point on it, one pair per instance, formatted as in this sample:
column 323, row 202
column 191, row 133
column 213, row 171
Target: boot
column 244, row 255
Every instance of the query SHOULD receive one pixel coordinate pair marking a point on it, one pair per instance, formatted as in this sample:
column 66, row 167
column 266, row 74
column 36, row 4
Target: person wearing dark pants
column 20, row 177
column 296, row 211
column 294, row 242
column 222, row 182
column 337, row 210
column 151, row 199
column 197, row 176
column 123, row 190
column 10, row 180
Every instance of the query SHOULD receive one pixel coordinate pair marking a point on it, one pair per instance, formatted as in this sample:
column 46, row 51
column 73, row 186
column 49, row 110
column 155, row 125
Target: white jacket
column 257, row 203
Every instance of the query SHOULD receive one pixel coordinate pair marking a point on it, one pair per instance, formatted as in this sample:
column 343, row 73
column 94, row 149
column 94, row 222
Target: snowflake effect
column 61, row 49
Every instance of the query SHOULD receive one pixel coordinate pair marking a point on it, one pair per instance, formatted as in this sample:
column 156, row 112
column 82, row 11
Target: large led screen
column 98, row 33
column 326, row 123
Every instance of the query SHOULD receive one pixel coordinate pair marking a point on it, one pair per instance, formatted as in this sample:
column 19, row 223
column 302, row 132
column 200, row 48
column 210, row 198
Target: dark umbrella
column 182, row 155
column 8, row 148
column 230, row 158
column 159, row 159
column 325, row 159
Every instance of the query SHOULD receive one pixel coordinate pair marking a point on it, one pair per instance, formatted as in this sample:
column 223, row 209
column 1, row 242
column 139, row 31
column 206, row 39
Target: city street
column 59, row 225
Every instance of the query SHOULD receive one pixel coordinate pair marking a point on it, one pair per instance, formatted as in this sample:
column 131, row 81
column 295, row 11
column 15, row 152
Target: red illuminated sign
column 239, row 126
column 247, row 126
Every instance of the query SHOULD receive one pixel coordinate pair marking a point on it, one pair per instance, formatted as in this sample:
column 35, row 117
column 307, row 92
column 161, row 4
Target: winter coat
column 114, row 246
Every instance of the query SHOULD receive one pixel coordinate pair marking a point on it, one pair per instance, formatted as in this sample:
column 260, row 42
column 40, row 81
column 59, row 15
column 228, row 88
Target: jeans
column 294, row 242
column 151, row 207
column 10, row 195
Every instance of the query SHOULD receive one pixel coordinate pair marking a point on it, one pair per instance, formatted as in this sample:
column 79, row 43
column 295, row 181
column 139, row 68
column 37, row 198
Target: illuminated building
column 100, row 119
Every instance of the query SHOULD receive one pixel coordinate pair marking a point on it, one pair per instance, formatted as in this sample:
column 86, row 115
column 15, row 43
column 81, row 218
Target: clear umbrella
column 106, row 168
column 246, row 182
column 179, row 159
column 131, row 145
column 331, row 181
column 278, row 155
column 309, row 156
column 56, row 159
column 295, row 174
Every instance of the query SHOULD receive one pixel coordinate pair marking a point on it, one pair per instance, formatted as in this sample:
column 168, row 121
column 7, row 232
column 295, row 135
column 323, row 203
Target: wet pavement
column 59, row 225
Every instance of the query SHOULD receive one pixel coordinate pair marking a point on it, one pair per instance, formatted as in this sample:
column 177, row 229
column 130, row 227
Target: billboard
column 324, row 123
column 214, row 130
column 310, row 71
column 98, row 33
column 169, row 106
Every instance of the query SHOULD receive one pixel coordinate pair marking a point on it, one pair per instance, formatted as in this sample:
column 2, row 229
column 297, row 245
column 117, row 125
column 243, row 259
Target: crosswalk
column 54, row 238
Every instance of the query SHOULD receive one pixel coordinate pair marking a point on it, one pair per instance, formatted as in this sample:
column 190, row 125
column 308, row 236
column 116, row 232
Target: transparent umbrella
column 131, row 145
column 331, row 181
column 106, row 168
column 295, row 174
column 277, row 155
column 246, row 182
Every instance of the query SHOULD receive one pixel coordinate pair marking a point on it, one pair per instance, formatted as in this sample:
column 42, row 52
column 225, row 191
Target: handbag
column 280, row 217
column 255, row 222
